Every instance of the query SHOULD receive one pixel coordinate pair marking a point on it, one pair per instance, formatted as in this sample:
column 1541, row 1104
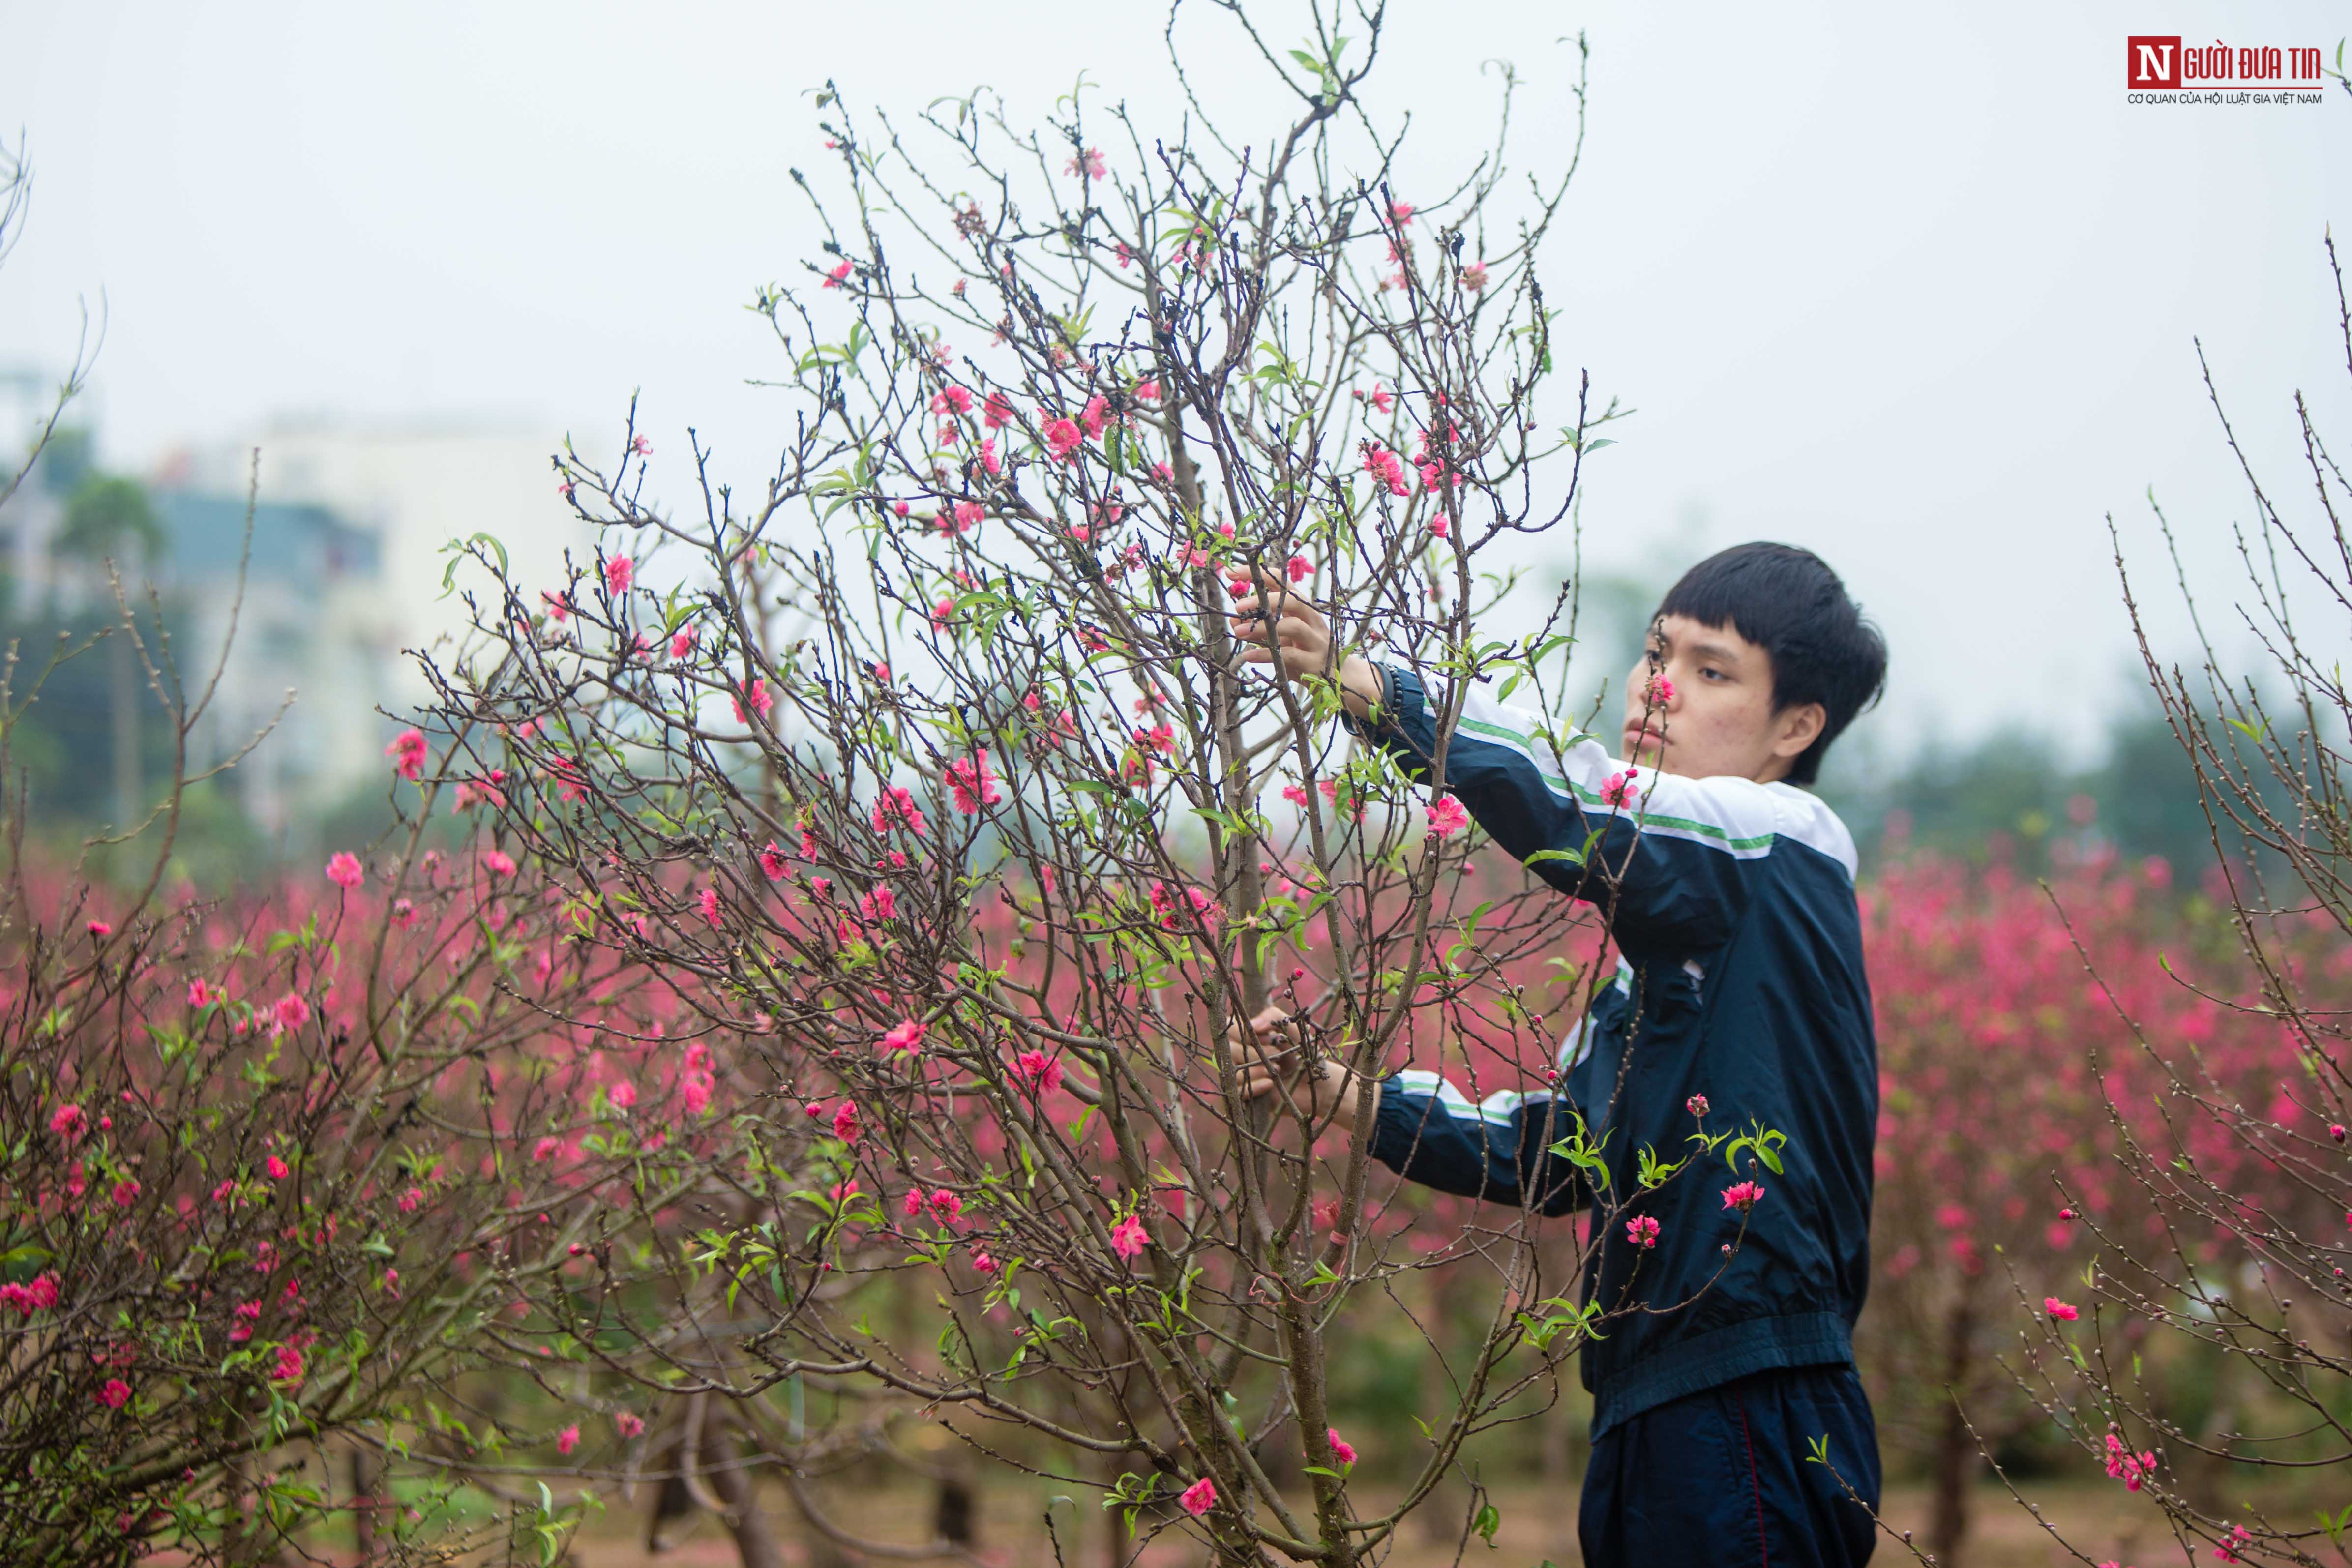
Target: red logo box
column 2152, row 63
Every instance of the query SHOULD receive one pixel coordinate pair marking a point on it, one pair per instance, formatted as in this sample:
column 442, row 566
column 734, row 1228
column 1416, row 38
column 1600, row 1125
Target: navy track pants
column 1723, row 1478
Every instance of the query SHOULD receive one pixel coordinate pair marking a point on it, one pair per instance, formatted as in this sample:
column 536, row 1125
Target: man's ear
column 1798, row 728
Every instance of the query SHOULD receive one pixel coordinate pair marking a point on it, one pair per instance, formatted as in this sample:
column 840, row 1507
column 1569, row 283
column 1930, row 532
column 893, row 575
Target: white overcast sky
column 1912, row 285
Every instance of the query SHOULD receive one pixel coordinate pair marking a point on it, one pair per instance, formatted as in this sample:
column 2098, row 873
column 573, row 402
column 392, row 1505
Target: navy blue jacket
column 1741, row 979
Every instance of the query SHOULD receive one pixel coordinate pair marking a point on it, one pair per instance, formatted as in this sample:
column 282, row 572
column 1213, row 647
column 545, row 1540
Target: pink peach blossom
column 974, row 783
column 1041, row 1072
column 407, row 752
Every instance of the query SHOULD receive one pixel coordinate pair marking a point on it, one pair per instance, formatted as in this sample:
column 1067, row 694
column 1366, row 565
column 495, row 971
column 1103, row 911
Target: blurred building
column 339, row 591
column 314, row 639
column 346, row 587
column 413, row 489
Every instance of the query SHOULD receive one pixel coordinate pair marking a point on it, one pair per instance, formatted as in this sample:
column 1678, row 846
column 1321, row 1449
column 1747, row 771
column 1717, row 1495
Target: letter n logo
column 2153, row 63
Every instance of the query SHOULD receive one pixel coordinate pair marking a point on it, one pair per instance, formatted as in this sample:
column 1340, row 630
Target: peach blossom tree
column 933, row 768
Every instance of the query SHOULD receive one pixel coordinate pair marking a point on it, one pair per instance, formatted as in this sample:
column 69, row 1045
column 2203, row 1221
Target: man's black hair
column 1789, row 602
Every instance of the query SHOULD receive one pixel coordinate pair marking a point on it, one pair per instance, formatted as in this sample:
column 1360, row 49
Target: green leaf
column 1573, row 857
column 456, row 549
column 1489, row 1521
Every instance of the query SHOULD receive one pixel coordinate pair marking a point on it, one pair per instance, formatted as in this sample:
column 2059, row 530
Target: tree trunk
column 755, row 1543
column 1956, row 1450
column 365, row 1475
column 123, row 672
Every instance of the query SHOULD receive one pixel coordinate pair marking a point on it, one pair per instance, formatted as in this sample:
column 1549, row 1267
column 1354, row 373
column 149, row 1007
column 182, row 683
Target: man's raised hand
column 1276, row 617
column 1271, row 1061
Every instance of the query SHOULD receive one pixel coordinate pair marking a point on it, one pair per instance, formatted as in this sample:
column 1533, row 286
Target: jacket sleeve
column 1672, row 861
column 1498, row 1149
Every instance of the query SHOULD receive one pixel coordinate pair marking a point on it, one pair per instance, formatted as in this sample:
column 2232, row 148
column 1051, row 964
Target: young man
column 1741, row 981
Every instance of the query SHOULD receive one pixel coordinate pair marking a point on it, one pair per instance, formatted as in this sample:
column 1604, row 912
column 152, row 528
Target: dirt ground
column 1535, row 1526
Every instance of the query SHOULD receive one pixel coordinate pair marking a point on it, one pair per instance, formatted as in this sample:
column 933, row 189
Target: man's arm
column 1671, row 857
column 1499, row 1148
column 1429, row 1132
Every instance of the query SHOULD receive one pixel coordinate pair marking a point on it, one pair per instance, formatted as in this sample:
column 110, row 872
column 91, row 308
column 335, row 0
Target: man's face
column 1718, row 721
